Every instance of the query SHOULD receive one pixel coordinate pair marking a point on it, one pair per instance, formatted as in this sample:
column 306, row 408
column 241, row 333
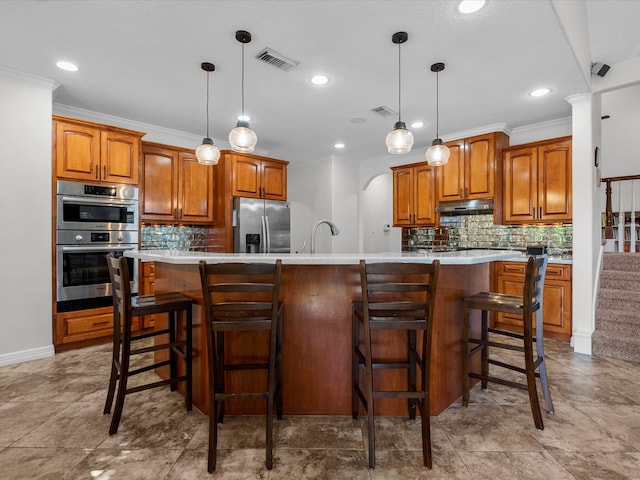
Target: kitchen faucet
column 332, row 226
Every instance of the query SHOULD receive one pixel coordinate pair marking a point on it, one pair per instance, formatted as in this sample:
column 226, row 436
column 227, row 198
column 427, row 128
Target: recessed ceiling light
column 339, row 145
column 540, row 92
column 417, row 125
column 470, row 6
column 244, row 118
column 67, row 66
column 319, row 79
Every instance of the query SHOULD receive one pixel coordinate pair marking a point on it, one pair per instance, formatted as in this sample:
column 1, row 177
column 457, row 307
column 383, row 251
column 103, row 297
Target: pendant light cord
column 242, row 82
column 399, row 85
column 437, row 104
column 207, row 104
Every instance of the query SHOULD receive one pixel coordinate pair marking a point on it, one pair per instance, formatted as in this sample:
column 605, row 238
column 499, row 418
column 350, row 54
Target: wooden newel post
column 608, row 229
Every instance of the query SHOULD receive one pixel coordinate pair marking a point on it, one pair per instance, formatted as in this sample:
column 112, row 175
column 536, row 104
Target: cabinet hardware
column 181, row 213
column 97, row 172
column 539, row 213
column 104, row 172
column 97, row 324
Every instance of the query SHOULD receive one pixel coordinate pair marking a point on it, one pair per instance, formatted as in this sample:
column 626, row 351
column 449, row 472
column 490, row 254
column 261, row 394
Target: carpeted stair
column 617, row 329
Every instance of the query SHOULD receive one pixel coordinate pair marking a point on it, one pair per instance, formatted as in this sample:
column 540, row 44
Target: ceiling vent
column 384, row 111
column 276, row 59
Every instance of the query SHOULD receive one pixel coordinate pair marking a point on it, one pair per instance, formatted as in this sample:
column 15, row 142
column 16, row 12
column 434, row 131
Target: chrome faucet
column 332, row 226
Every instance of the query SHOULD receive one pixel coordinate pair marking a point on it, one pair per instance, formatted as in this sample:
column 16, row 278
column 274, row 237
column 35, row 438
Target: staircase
column 617, row 329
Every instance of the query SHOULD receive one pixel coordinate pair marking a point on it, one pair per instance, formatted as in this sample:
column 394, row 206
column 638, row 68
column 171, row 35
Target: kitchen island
column 317, row 291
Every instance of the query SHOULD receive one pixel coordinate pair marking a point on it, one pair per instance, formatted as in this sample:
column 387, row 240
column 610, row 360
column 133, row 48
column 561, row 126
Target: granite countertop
column 464, row 257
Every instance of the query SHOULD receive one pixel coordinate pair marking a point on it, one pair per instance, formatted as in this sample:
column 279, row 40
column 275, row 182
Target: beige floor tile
column 514, row 466
column 400, row 465
column 601, row 466
column 486, row 428
column 39, row 463
column 131, row 464
column 319, row 432
column 79, row 425
column 622, row 421
column 570, row 430
column 19, row 419
column 321, row 464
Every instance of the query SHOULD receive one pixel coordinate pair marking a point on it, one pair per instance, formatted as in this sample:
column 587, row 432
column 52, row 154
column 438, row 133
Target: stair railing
column 608, row 229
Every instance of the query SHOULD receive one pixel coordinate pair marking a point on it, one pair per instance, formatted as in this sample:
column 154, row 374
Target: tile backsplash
column 478, row 231
column 173, row 237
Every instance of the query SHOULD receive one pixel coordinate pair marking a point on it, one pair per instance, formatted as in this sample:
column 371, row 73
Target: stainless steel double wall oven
column 92, row 221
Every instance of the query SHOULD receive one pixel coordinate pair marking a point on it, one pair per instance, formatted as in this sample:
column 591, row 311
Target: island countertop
column 462, row 257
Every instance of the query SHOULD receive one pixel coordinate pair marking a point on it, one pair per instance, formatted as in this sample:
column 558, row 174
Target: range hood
column 466, row 207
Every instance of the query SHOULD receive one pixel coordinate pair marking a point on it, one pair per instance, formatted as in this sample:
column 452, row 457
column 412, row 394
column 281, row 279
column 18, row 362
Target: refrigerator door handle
column 268, row 233
column 263, row 239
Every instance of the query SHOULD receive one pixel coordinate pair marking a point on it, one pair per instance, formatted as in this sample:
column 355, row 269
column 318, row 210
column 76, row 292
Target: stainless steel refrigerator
column 261, row 226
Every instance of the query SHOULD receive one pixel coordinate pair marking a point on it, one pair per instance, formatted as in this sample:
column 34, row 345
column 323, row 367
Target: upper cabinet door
column 451, row 175
column 119, row 157
column 424, row 195
column 480, row 165
column 555, row 184
column 274, row 180
column 77, row 151
column 160, row 184
column 521, row 185
column 196, row 188
column 245, row 176
column 403, row 185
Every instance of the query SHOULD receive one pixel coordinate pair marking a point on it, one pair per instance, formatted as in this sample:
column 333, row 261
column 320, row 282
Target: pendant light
column 242, row 138
column 207, row 153
column 399, row 140
column 438, row 153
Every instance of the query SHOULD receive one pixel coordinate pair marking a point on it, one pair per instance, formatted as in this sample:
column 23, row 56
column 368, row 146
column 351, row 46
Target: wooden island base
column 317, row 338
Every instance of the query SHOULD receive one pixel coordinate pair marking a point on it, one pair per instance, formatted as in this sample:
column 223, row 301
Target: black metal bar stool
column 242, row 297
column 530, row 303
column 127, row 345
column 395, row 296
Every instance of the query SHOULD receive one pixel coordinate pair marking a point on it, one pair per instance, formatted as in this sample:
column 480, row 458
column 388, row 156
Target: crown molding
column 28, row 79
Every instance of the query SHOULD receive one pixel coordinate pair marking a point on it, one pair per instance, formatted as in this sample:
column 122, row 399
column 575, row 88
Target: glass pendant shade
column 207, row 153
column 242, row 138
column 399, row 140
column 437, row 154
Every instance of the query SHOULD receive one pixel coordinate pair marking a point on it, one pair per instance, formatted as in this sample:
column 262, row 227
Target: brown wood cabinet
column 509, row 279
column 83, row 326
column 474, row 169
column 175, row 187
column 414, row 195
column 92, row 152
column 147, row 285
column 258, row 177
column 537, row 182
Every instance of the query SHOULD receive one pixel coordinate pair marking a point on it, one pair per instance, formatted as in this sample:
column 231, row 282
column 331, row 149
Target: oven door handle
column 98, row 201
column 102, row 248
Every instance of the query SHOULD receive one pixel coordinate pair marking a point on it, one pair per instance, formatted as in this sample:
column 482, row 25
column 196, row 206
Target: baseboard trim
column 26, row 355
column 581, row 342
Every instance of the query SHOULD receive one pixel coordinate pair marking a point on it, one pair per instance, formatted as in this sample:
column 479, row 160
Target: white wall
column 25, row 238
column 309, row 192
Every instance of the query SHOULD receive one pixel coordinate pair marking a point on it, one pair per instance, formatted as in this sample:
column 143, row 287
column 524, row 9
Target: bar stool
column 530, row 303
column 242, row 297
column 395, row 296
column 127, row 345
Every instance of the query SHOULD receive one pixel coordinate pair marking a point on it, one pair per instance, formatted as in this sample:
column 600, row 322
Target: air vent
column 276, row 59
column 384, row 111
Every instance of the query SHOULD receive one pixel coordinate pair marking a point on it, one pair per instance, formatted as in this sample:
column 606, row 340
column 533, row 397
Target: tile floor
column 52, row 427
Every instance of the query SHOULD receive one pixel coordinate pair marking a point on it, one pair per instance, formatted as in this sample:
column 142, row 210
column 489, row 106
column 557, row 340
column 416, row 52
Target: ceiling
column 140, row 60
